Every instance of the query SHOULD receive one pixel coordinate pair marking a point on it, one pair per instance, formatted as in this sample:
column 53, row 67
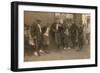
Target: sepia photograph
column 52, row 36
column 56, row 36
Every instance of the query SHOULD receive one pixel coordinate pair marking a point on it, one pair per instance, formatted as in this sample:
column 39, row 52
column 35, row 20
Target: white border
column 22, row 64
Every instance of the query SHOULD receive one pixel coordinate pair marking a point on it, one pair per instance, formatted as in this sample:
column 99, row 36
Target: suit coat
column 36, row 34
column 58, row 33
column 74, row 32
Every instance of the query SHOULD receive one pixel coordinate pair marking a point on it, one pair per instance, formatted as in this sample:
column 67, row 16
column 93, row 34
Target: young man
column 74, row 35
column 67, row 40
column 46, row 41
column 36, row 32
column 80, row 37
column 28, row 42
column 58, row 29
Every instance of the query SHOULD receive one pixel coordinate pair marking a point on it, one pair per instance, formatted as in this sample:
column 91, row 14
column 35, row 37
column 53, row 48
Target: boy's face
column 38, row 22
column 57, row 21
column 61, row 21
column 25, row 28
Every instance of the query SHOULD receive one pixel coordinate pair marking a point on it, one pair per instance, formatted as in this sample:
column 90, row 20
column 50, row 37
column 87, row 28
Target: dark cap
column 38, row 20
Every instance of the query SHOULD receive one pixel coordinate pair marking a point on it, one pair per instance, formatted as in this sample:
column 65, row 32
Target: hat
column 38, row 20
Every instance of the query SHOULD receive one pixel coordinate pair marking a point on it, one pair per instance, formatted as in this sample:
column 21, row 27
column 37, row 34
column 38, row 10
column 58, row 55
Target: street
column 61, row 54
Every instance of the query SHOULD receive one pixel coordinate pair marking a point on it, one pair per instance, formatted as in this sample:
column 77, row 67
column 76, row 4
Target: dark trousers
column 74, row 41
column 58, row 39
column 38, row 45
column 67, row 41
column 80, row 43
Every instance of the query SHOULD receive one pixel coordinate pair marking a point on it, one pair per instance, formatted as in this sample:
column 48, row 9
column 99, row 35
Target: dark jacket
column 35, row 32
column 80, row 35
column 60, row 28
column 74, row 31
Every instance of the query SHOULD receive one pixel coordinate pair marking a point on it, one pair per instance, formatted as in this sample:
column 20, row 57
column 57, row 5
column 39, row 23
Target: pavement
column 59, row 54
